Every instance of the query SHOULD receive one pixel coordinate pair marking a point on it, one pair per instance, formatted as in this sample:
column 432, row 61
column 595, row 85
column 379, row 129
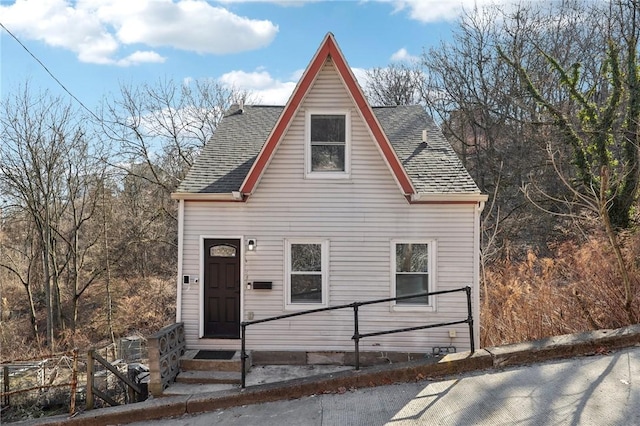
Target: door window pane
column 222, row 251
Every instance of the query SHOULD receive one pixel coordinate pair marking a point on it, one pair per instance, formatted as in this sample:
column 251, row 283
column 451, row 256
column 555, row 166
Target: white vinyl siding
column 360, row 217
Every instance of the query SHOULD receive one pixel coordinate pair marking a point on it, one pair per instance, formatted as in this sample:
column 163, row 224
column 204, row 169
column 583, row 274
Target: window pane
column 328, row 158
column 306, row 288
column 407, row 284
column 328, row 128
column 222, row 251
column 412, row 258
column 306, row 257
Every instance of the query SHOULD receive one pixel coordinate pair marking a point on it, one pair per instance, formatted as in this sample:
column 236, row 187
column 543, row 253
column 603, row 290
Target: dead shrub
column 578, row 289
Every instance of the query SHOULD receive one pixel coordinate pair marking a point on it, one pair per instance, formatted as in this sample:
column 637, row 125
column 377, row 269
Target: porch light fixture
column 251, row 244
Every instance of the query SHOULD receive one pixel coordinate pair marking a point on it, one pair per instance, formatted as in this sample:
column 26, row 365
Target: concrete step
column 189, row 363
column 209, row 377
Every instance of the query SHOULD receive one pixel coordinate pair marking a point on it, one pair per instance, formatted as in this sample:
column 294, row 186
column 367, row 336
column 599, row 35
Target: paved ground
column 258, row 375
column 593, row 390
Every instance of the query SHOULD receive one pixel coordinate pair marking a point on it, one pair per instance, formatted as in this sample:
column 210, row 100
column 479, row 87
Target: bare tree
column 37, row 133
column 494, row 124
column 164, row 126
column 19, row 257
column 159, row 129
column 396, row 84
column 48, row 171
column 599, row 125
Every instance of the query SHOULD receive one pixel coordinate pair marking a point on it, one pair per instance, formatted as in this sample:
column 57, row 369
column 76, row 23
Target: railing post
column 356, row 335
column 243, row 354
column 467, row 290
column 90, row 379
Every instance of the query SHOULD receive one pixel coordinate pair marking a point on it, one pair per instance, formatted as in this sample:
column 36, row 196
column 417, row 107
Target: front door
column 222, row 288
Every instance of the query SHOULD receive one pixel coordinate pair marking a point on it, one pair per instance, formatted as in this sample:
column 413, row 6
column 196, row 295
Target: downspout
column 476, row 273
column 180, row 251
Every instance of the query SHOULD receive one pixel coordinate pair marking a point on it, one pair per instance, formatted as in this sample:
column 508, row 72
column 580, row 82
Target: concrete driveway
column 592, row 390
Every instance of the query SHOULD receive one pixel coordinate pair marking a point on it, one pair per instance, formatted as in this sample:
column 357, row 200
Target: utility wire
column 50, row 73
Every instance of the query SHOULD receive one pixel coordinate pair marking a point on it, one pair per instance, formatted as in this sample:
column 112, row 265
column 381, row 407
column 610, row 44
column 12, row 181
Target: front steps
column 204, row 372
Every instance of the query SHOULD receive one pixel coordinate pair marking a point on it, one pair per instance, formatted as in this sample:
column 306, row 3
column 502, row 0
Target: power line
column 50, row 73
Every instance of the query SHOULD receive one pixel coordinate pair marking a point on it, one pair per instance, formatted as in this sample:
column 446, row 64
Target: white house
column 324, row 202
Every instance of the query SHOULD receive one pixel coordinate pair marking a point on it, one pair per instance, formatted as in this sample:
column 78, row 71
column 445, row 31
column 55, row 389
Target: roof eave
column 205, row 196
column 449, row 198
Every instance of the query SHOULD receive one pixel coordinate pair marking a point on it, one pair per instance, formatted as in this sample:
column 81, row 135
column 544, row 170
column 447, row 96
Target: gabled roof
column 432, row 167
column 328, row 49
column 233, row 161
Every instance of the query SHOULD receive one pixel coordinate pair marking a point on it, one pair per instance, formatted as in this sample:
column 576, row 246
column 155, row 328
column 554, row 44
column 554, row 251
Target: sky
column 94, row 46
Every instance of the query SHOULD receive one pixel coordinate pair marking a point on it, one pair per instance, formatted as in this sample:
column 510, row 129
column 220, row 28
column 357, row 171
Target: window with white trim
column 412, row 263
column 306, row 273
column 327, row 144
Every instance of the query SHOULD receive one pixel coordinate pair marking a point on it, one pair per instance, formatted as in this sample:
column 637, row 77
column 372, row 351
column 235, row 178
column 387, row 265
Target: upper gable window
column 327, row 147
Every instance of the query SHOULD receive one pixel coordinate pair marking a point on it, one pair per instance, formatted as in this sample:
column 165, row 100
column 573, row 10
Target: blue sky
column 92, row 46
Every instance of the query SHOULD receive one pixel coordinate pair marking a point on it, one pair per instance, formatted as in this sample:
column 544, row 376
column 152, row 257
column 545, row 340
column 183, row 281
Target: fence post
column 356, row 335
column 90, row 379
column 5, row 376
column 74, row 382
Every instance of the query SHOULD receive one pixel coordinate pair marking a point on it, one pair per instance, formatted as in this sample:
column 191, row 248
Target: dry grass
column 578, row 289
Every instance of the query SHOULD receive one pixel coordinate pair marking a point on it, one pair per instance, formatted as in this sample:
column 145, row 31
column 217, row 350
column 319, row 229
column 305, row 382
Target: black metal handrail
column 356, row 335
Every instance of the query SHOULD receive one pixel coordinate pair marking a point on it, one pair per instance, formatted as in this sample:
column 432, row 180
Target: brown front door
column 222, row 288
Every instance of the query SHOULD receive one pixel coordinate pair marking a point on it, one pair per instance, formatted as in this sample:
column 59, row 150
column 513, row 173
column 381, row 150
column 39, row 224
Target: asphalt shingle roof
column 226, row 159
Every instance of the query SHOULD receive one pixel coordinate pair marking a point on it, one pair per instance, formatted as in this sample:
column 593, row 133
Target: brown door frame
column 202, row 291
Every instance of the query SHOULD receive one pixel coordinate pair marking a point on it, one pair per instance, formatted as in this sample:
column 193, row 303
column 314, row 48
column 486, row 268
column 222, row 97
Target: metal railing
column 356, row 334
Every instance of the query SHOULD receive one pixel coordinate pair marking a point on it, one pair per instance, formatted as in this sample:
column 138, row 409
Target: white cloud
column 287, row 3
column 265, row 89
column 403, row 56
column 440, row 10
column 97, row 30
column 140, row 57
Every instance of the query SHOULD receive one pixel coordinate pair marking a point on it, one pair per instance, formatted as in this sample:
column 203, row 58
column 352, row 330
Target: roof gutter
column 203, row 196
column 448, row 198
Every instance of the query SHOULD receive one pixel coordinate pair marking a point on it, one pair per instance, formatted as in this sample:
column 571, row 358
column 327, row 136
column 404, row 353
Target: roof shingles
column 224, row 162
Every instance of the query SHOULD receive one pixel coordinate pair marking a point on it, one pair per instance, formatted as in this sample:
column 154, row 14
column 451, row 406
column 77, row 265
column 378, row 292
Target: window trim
column 308, row 173
column 432, row 271
column 324, row 265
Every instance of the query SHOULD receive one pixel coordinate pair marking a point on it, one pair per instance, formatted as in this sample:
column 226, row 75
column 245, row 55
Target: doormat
column 214, row 355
